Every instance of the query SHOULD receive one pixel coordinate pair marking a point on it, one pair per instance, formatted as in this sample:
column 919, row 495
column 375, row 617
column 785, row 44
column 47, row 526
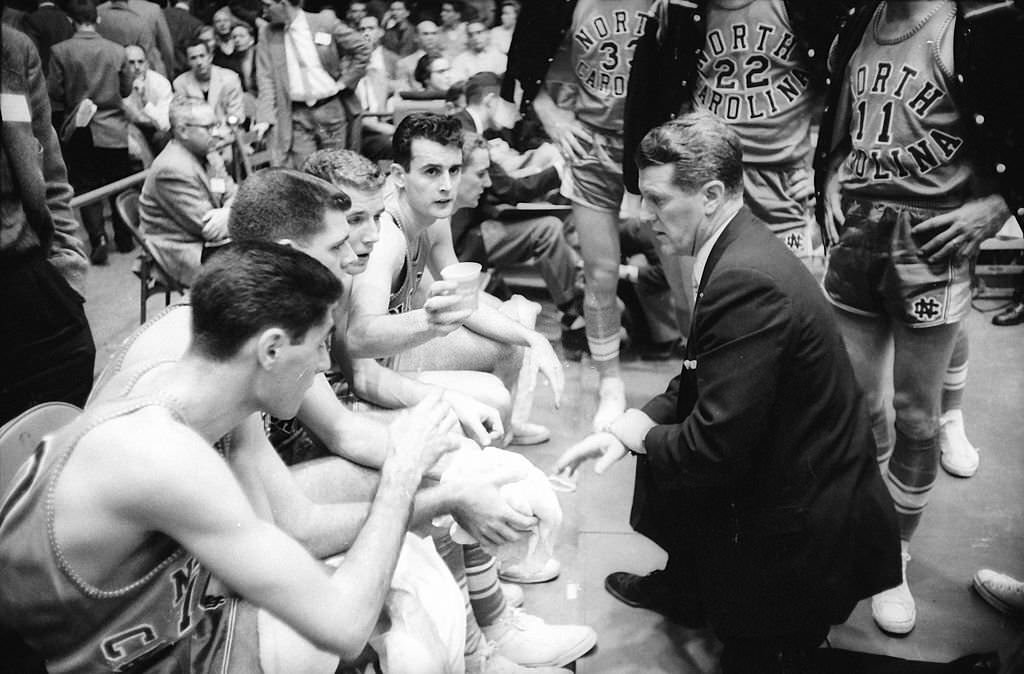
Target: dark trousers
column 90, row 167
column 46, row 347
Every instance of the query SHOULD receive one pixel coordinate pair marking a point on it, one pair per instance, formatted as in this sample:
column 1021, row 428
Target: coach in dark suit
column 756, row 468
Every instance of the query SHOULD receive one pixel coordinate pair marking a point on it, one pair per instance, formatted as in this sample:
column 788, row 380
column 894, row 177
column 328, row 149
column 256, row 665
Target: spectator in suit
column 183, row 208
column 218, row 86
column 88, row 66
column 47, row 26
column 148, row 105
column 374, row 90
column 399, row 33
column 308, row 67
column 154, row 18
column 501, row 35
column 118, row 23
column 479, row 55
column 355, row 13
column 47, row 353
column 183, row 26
column 453, row 28
column 428, row 39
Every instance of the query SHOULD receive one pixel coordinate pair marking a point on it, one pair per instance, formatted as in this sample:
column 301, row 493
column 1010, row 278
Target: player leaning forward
column 114, row 527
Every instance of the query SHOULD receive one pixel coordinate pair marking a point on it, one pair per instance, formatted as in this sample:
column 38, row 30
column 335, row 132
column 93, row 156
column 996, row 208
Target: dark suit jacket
column 182, row 26
column 47, row 26
column 760, row 478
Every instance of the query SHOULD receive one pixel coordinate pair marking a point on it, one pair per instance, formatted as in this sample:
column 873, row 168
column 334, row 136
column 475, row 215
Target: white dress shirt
column 308, row 82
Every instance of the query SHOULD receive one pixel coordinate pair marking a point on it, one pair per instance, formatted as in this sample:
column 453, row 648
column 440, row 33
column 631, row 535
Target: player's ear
column 714, row 196
column 398, row 174
column 269, row 345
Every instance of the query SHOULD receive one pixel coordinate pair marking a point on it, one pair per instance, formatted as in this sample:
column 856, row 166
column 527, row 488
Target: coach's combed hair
column 446, row 131
column 255, row 285
column 471, row 142
column 279, row 203
column 347, row 169
column 700, row 146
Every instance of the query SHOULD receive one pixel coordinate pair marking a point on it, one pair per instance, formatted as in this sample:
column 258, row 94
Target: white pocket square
column 689, row 365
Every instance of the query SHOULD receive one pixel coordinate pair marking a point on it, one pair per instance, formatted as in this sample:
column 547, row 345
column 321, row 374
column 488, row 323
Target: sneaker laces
column 520, row 619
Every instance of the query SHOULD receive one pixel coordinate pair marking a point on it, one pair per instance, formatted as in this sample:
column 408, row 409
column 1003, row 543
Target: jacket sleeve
column 164, row 43
column 741, row 338
column 506, row 190
column 234, row 104
column 265, row 108
column 354, row 52
column 181, row 198
column 66, row 253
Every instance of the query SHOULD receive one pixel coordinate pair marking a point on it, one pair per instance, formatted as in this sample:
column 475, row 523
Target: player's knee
column 913, row 419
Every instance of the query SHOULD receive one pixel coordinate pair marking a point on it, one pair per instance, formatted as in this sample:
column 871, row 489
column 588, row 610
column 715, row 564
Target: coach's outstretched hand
column 604, row 447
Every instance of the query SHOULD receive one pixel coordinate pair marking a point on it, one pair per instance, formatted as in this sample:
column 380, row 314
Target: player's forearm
column 493, row 324
column 388, row 334
column 385, row 387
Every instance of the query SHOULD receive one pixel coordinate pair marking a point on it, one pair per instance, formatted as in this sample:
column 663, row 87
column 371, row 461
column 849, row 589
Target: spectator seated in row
column 374, row 90
column 183, row 206
column 219, row 87
column 479, row 55
column 148, row 106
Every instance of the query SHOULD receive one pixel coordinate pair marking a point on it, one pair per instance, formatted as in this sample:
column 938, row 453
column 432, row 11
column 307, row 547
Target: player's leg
column 919, row 363
column 959, row 456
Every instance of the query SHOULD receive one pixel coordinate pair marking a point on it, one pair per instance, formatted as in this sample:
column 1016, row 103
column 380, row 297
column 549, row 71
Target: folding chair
column 20, row 435
column 153, row 277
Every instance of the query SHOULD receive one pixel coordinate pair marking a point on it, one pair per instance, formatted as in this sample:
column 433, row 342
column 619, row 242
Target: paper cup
column 467, row 276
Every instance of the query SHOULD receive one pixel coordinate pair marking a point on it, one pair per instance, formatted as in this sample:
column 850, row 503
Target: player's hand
column 445, row 308
column 834, row 216
column 562, row 127
column 480, row 422
column 604, row 447
column 424, row 433
column 802, row 187
column 482, row 511
column 548, row 364
column 215, row 224
column 958, row 234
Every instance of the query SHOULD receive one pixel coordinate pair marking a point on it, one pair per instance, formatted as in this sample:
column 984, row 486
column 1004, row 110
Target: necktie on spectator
column 303, row 67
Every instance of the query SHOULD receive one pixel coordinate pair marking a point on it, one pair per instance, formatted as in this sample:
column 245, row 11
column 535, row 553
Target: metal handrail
column 109, row 190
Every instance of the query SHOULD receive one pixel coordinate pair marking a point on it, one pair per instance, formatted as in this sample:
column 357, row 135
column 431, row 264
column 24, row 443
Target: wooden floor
column 973, row 523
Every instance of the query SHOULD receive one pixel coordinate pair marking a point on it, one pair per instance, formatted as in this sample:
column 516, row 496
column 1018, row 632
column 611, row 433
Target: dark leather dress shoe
column 1012, row 315
column 658, row 593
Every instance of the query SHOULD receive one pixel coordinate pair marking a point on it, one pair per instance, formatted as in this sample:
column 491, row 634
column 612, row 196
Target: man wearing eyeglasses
column 183, row 209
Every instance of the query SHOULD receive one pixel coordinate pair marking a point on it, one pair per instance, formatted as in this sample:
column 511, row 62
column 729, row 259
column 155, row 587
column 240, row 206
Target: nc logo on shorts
column 795, row 241
column 927, row 309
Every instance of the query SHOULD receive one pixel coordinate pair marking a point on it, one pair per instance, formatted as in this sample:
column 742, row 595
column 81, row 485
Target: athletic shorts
column 766, row 194
column 875, row 268
column 596, row 179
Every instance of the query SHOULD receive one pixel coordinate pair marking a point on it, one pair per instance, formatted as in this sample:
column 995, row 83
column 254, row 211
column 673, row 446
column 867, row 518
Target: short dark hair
column 255, row 285
column 82, row 12
column 279, row 203
column 422, row 71
column 196, row 41
column 345, row 169
column 443, row 130
column 700, row 146
column 481, row 84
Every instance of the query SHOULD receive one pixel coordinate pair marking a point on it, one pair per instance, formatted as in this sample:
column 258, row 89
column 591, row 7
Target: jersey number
column 754, row 68
column 885, row 128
